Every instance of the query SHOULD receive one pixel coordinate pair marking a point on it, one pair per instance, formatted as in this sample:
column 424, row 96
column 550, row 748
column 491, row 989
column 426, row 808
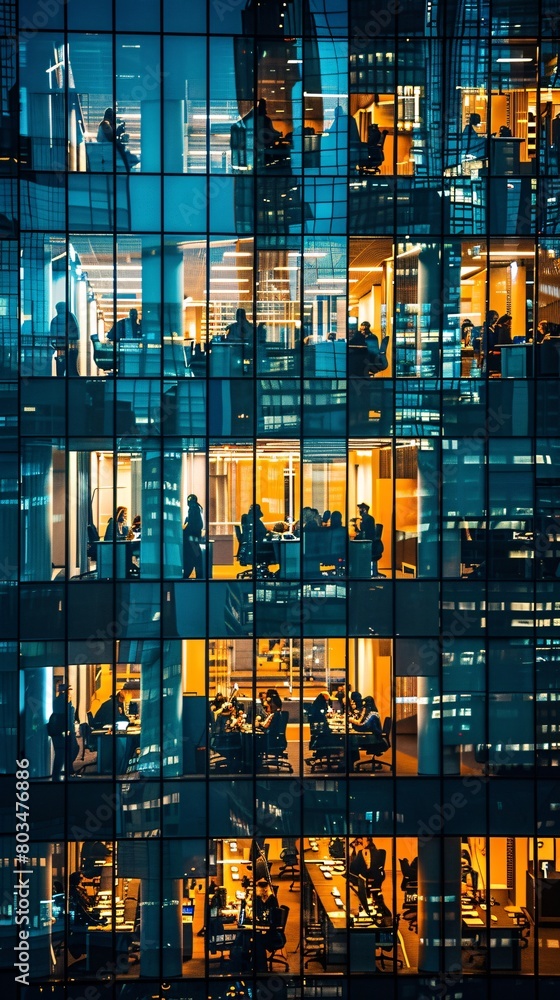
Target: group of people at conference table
column 326, row 715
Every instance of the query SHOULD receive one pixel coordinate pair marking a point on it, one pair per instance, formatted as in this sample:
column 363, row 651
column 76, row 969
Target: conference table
column 351, row 937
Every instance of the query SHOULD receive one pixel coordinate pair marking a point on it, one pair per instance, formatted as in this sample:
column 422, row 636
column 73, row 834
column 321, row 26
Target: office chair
column 289, row 855
column 243, row 553
column 524, row 924
column 379, row 361
column 276, row 746
column 409, row 885
column 375, row 876
column 277, row 940
column 256, row 555
column 376, row 749
column 387, row 942
column 314, row 944
column 103, row 355
column 467, row 869
column 375, row 154
column 326, row 747
column 132, row 918
column 226, row 752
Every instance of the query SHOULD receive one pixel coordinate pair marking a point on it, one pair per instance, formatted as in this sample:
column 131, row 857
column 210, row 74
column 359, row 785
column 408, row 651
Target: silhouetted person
column 127, row 328
column 65, row 334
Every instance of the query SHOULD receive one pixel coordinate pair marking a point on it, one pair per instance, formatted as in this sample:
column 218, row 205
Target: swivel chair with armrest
column 387, row 942
column 376, row 749
column 376, row 874
column 104, row 355
column 314, row 944
column 276, row 938
column 327, row 748
column 258, row 556
column 290, row 858
column 409, row 885
column 276, row 745
column 375, row 154
column 226, row 751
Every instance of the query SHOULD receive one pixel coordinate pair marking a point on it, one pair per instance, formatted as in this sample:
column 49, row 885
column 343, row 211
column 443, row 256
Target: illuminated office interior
column 280, row 517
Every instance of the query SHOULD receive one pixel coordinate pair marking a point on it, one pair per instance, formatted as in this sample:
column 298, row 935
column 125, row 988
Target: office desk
column 327, row 359
column 548, row 357
column 226, row 360
column 287, row 553
column 503, row 933
column 123, row 566
column 505, row 154
column 364, row 936
column 103, row 947
column 115, row 752
column 517, row 360
column 359, row 558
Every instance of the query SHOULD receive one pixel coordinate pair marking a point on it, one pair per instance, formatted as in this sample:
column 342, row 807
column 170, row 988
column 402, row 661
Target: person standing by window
column 192, row 537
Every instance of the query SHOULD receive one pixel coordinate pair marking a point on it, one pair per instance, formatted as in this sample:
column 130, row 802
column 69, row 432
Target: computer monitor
column 133, row 708
column 188, row 909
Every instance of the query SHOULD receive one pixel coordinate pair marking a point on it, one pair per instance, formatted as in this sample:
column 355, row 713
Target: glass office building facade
column 228, row 506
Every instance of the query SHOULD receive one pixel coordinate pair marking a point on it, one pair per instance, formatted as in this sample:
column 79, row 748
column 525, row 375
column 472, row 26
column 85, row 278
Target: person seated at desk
column 272, row 722
column 503, row 330
column 371, row 725
column 278, row 531
column 320, row 709
column 488, row 337
column 466, row 333
column 358, row 338
column 310, row 519
column 370, row 339
column 342, row 697
column 110, row 712
column 356, row 706
column 79, row 902
column 109, row 130
column 252, row 523
column 117, row 526
column 136, row 527
column 274, row 698
column 82, row 916
column 240, row 331
column 222, row 712
column 126, row 329
column 543, row 331
column 266, row 903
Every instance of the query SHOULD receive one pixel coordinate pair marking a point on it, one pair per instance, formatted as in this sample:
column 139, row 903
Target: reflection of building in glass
column 279, row 327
